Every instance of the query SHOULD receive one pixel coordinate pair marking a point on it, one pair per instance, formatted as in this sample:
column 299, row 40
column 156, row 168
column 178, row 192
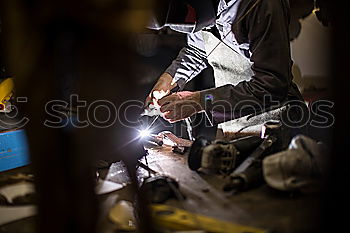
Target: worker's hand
column 161, row 88
column 180, row 105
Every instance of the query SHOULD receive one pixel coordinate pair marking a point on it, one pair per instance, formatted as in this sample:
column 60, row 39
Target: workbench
column 260, row 207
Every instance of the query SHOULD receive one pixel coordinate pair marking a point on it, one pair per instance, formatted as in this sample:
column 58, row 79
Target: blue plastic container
column 14, row 151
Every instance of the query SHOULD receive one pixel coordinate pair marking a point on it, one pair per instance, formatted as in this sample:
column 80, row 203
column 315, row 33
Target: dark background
column 154, row 57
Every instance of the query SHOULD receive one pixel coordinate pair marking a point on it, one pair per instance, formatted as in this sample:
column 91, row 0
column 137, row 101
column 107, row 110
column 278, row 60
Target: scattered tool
column 240, row 159
column 221, row 156
column 249, row 173
column 175, row 219
column 122, row 215
column 160, row 188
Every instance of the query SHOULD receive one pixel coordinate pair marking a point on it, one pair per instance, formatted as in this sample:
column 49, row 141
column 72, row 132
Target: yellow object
column 171, row 218
column 6, row 92
column 122, row 215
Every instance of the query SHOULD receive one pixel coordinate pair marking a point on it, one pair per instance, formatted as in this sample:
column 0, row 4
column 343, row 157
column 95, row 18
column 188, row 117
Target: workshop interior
column 224, row 116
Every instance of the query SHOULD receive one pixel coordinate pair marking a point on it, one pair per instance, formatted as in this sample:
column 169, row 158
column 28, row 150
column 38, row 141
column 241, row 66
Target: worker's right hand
column 161, row 88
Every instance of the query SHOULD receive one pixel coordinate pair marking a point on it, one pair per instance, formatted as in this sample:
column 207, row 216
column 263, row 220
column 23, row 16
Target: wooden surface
column 260, row 207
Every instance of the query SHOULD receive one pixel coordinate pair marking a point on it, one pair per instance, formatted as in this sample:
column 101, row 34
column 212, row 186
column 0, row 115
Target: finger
column 175, row 107
column 172, row 118
column 147, row 102
column 168, row 115
column 164, row 100
column 176, row 116
column 167, row 99
column 167, row 107
column 158, row 94
column 148, row 99
column 173, row 121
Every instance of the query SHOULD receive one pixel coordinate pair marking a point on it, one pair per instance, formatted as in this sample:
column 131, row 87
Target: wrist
column 197, row 98
column 206, row 100
column 168, row 80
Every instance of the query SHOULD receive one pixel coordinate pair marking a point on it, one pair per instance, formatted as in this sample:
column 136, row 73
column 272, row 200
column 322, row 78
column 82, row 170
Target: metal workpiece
column 155, row 139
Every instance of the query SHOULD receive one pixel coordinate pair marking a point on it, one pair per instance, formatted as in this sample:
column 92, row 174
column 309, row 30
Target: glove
column 161, row 88
column 180, row 105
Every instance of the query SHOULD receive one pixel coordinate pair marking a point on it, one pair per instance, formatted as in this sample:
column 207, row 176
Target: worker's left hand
column 180, row 105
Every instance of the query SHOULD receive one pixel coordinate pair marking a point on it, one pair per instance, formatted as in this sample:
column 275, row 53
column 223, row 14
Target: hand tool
column 249, row 172
column 221, row 156
column 175, row 219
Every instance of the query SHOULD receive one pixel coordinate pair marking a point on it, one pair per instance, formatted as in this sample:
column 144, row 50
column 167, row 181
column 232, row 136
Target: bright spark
column 144, row 133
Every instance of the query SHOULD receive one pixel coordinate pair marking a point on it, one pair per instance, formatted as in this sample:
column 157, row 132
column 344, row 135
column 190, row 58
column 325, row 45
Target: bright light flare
column 144, row 133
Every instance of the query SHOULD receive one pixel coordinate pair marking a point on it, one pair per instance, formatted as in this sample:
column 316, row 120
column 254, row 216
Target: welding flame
column 144, row 133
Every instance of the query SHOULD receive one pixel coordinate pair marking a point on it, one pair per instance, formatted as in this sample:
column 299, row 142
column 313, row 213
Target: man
column 247, row 44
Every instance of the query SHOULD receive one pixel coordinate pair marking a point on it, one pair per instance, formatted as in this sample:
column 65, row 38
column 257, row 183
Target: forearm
column 190, row 62
column 230, row 102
